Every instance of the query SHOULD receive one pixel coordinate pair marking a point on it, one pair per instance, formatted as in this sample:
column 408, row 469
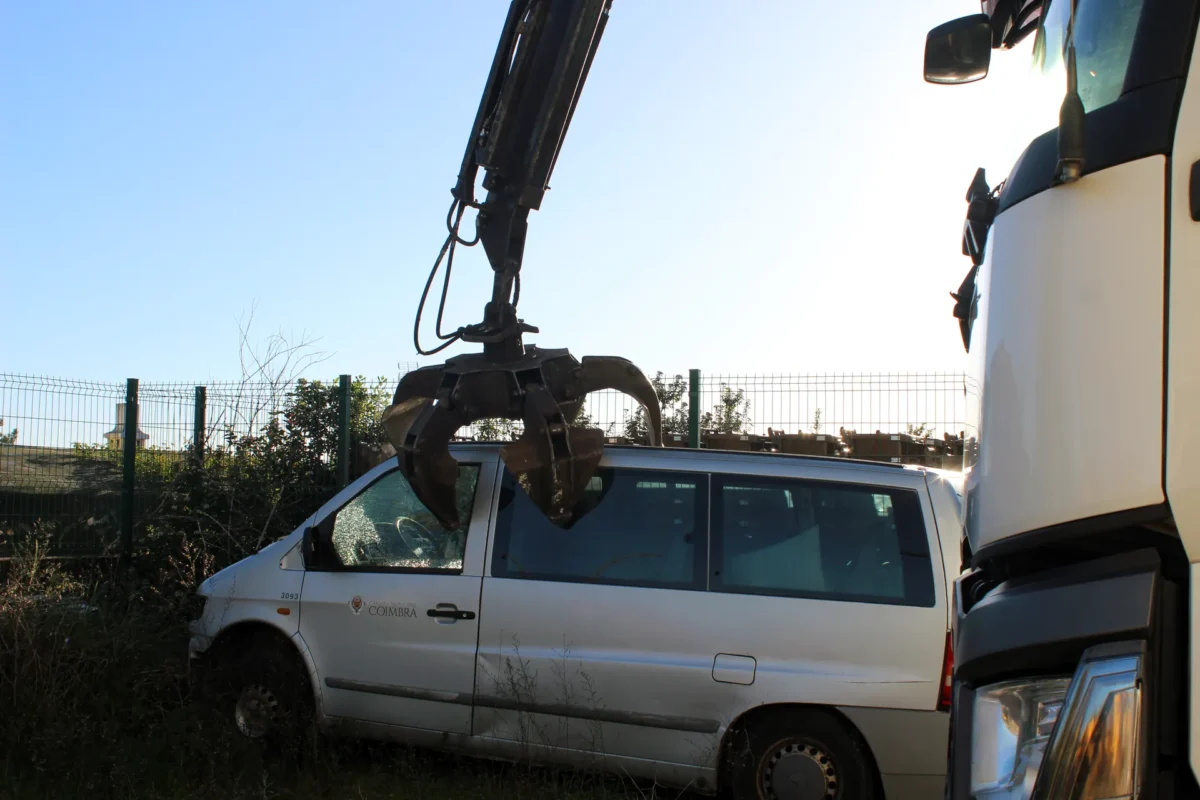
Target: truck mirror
column 965, row 307
column 959, row 51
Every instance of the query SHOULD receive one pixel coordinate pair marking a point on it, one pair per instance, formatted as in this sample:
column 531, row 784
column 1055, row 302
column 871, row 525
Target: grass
column 356, row 771
column 96, row 701
column 110, row 712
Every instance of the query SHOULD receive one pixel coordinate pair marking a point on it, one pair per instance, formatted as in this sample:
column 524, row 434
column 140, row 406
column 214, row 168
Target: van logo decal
column 405, row 610
column 356, row 604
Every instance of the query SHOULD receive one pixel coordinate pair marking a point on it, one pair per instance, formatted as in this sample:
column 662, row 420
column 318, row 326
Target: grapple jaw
column 552, row 459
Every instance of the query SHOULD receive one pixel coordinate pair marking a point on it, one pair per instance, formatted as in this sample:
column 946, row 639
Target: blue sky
column 746, row 187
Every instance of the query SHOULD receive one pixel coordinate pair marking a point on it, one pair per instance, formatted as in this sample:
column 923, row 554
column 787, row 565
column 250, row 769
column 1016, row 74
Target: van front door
column 392, row 622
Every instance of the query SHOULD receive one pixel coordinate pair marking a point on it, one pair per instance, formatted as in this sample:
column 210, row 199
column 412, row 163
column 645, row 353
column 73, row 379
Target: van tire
column 264, row 693
column 802, row 754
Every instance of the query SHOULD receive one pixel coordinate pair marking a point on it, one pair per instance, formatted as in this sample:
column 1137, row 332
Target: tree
column 582, row 418
column 503, row 430
column 7, row 438
column 918, row 431
column 671, row 396
column 311, row 413
column 730, row 415
column 495, row 430
column 816, row 423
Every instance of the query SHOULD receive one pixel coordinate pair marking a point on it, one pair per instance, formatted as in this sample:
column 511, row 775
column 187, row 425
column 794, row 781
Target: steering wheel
column 619, row 559
column 420, row 543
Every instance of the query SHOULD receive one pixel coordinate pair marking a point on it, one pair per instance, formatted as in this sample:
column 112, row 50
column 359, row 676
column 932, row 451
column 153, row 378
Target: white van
column 770, row 623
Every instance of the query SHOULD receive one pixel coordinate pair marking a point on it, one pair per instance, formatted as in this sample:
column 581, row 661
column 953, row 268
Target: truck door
column 1183, row 336
column 392, row 621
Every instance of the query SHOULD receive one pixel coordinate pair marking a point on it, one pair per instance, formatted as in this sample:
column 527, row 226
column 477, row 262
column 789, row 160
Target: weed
column 96, row 701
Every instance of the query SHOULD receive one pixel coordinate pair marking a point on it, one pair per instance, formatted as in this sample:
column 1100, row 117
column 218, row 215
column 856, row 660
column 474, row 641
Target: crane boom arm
column 543, row 58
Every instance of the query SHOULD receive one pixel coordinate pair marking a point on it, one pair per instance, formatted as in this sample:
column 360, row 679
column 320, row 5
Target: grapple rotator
column 541, row 63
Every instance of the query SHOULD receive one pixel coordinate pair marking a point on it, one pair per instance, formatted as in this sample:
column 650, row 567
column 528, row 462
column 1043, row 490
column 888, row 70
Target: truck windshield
column 1104, row 35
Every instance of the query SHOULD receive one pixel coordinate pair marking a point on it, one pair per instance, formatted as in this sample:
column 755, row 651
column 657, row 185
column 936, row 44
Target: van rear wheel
column 800, row 755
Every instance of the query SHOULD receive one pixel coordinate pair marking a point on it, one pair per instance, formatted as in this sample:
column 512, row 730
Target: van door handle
column 450, row 612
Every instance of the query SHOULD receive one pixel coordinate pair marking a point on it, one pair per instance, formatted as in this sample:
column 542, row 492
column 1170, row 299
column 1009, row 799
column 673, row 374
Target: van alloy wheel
column 257, row 711
column 798, row 771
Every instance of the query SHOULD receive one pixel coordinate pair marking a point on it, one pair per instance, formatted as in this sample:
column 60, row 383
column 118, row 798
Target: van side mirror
column 310, row 548
column 959, row 51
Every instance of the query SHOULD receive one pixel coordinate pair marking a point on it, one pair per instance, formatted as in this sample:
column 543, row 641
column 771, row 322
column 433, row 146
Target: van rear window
column 823, row 540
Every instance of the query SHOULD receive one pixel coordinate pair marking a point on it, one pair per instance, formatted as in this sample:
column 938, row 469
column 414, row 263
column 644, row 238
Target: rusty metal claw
column 552, row 459
column 612, row 372
column 416, row 390
column 419, row 425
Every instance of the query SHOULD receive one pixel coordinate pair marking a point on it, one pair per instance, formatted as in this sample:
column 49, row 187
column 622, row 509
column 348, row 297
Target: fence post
column 199, row 424
column 693, row 408
column 343, row 432
column 129, row 469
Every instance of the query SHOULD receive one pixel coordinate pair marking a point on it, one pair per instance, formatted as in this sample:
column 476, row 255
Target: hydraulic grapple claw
column 552, row 459
column 416, row 390
column 419, row 425
column 621, row 374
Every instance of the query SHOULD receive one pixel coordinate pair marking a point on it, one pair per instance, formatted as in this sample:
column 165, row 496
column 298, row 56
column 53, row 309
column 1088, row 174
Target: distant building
column 116, row 437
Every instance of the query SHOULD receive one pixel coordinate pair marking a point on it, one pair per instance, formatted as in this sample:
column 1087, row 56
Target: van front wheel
column 265, row 690
column 799, row 755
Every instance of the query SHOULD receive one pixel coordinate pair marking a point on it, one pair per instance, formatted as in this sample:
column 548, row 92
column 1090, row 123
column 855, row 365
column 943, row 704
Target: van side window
column 386, row 527
column 632, row 527
column 820, row 539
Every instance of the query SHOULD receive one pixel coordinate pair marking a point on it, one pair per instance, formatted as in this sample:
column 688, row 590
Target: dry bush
column 96, row 701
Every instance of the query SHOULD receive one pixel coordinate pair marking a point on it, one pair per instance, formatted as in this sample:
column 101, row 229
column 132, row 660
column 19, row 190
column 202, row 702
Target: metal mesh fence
column 165, row 418
column 931, row 403
column 46, row 423
column 914, row 418
column 917, row 404
column 61, row 441
column 236, row 410
column 62, row 449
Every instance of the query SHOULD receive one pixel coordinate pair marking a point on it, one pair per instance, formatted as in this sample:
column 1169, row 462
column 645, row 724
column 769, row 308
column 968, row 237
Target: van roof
column 688, row 452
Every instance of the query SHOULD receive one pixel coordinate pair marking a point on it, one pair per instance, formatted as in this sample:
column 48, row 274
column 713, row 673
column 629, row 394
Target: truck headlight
column 1011, row 727
column 1095, row 750
column 1054, row 737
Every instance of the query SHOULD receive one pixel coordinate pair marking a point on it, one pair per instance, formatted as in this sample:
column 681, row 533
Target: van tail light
column 946, row 692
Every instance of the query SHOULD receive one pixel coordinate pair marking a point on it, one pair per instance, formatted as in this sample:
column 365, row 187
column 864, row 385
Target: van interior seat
column 861, row 550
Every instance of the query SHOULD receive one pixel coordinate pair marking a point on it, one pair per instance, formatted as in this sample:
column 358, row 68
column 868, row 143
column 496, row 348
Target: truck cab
column 1076, row 635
